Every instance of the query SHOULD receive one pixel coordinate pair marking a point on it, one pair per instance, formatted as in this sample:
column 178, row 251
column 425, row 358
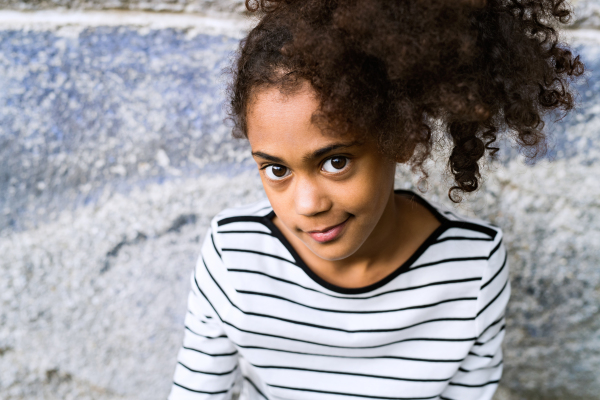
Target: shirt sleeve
column 207, row 363
column 478, row 375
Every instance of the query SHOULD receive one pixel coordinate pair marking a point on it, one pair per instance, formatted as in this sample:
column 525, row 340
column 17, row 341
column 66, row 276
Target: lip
column 328, row 234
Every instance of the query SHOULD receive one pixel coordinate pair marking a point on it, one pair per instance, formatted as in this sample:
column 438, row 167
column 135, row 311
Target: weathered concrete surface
column 93, row 303
column 113, row 158
column 587, row 14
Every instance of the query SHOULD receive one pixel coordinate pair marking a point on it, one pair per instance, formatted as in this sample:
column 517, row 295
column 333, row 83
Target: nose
column 309, row 198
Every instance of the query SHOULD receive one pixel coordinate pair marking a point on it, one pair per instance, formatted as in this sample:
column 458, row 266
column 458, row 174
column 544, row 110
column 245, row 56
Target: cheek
column 276, row 198
column 281, row 202
column 370, row 191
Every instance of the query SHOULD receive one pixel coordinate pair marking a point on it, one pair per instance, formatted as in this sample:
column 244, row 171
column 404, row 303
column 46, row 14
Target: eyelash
column 278, row 179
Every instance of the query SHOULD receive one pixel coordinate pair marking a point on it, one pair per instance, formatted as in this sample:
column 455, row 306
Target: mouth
column 328, row 234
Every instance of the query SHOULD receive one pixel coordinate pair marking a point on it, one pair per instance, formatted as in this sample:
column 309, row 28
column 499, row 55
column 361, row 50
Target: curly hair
column 388, row 69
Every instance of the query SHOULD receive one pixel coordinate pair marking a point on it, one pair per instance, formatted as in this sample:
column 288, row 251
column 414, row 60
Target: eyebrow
column 312, row 156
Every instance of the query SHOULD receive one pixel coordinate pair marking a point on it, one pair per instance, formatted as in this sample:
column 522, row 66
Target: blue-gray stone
column 110, row 106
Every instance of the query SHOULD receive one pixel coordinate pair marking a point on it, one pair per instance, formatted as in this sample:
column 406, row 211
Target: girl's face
column 328, row 192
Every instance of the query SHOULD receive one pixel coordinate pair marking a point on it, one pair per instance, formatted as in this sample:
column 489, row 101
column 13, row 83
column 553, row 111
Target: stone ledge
column 190, row 6
column 587, row 12
column 235, row 26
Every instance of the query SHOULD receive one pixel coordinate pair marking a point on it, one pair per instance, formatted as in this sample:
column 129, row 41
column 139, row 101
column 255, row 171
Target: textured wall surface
column 114, row 157
column 587, row 14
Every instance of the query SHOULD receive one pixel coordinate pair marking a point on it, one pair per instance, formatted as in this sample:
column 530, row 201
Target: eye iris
column 278, row 171
column 338, row 162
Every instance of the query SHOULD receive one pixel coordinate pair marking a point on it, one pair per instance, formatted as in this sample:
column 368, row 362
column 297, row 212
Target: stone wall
column 114, row 157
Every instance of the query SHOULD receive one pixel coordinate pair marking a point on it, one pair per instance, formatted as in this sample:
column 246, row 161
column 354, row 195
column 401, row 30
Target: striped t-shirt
column 261, row 323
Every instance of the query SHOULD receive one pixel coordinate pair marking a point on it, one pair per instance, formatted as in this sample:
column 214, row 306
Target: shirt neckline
column 444, row 225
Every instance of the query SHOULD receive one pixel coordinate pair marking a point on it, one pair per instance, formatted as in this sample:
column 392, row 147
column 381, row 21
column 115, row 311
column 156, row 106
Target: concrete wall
column 114, row 157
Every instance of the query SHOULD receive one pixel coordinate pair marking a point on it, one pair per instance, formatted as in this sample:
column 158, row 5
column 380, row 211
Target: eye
column 277, row 172
column 335, row 164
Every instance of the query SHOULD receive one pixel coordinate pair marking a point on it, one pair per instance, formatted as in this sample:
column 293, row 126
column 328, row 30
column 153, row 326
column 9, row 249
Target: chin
column 334, row 253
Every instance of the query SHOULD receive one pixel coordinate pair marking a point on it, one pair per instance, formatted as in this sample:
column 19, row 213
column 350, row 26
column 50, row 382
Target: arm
column 207, row 363
column 479, row 373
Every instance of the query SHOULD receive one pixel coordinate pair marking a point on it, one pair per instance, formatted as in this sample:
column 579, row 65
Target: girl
column 339, row 286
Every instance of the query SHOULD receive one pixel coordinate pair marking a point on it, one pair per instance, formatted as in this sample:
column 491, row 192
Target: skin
column 382, row 229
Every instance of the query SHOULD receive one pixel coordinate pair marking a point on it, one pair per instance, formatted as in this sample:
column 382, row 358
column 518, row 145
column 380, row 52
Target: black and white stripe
column 260, row 318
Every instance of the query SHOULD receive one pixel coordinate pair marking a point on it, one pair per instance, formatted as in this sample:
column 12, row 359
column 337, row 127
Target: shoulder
column 463, row 231
column 235, row 228
column 246, row 236
column 233, row 233
column 236, row 224
column 480, row 242
column 457, row 220
column 249, row 213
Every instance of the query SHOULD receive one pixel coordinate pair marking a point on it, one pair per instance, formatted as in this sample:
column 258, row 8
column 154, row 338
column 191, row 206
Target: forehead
column 271, row 108
column 278, row 122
